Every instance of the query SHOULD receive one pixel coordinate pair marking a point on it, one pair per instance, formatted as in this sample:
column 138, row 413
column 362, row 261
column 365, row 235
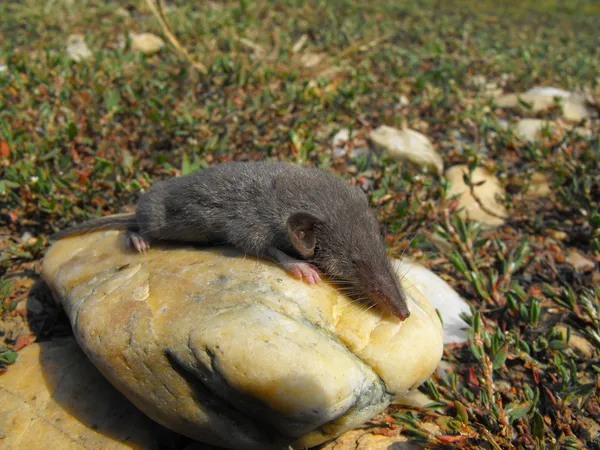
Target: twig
column 357, row 46
column 158, row 11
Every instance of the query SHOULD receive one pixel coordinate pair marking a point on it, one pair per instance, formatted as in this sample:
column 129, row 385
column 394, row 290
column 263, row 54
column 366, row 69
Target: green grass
column 78, row 140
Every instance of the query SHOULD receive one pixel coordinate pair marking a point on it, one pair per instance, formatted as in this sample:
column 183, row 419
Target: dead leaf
column 83, row 174
column 4, row 149
column 473, row 381
column 384, row 431
column 451, row 439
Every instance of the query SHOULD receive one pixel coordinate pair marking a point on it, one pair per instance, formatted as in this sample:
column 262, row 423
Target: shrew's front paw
column 304, row 271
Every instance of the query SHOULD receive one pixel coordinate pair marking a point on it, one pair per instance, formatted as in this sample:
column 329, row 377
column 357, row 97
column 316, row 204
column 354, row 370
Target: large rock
column 53, row 397
column 230, row 350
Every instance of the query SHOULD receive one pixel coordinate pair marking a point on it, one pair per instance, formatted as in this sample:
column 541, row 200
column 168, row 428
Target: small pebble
column 26, row 236
column 558, row 235
column 358, row 152
column 403, row 100
column 579, row 262
column 77, row 48
column 338, row 152
column 146, row 43
column 577, row 342
column 341, row 137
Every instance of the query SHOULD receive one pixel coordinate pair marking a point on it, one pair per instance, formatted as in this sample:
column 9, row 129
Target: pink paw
column 305, row 271
column 139, row 243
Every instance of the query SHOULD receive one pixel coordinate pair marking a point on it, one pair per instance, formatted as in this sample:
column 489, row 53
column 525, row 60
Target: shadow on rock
column 80, row 390
column 74, row 385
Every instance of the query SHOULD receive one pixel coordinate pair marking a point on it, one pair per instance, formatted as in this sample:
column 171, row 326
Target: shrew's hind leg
column 138, row 242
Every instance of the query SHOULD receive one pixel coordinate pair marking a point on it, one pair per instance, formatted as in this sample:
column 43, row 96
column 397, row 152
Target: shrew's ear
column 301, row 231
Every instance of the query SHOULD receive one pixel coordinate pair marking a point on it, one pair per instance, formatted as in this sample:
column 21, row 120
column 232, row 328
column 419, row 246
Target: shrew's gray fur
column 274, row 210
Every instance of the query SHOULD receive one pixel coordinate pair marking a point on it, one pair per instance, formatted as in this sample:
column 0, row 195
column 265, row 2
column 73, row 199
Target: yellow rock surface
column 54, row 398
column 230, row 350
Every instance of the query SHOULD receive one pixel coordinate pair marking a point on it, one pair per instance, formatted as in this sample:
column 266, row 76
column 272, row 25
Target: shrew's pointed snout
column 393, row 305
column 402, row 312
column 386, row 293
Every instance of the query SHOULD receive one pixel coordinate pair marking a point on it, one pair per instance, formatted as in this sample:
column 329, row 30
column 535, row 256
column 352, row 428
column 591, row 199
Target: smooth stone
column 146, row 43
column 486, row 193
column 365, row 440
column 341, row 137
column 577, row 341
column 481, row 83
column 53, row 397
column 358, row 152
column 232, row 351
column 339, row 152
column 77, row 48
column 579, row 262
column 477, row 81
column 549, row 91
column 530, row 129
column 408, row 145
column 557, row 234
column 325, row 131
column 309, row 59
column 538, row 103
column 26, row 236
column 339, row 142
column 416, row 399
column 574, row 106
column 583, row 132
column 441, row 296
column 403, row 100
column 538, row 186
column 122, row 12
column 575, row 109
